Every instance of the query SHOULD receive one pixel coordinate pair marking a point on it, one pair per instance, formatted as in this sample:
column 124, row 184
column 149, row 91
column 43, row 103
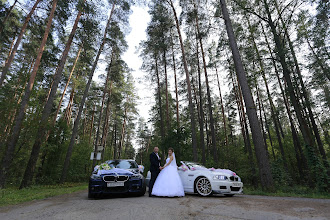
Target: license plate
column 116, row 184
column 236, row 184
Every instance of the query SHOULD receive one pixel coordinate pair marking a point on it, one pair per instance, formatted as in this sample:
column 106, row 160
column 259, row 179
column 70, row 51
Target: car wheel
column 203, row 186
column 229, row 195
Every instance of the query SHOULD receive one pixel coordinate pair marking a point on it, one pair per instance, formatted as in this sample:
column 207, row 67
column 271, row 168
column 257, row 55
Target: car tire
column 91, row 195
column 203, row 186
column 229, row 195
column 144, row 189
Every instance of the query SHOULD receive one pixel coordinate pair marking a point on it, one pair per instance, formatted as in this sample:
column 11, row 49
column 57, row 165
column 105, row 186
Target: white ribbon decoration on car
column 114, row 171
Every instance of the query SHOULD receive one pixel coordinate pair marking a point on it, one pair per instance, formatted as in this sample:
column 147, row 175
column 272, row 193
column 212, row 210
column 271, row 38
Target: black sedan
column 124, row 177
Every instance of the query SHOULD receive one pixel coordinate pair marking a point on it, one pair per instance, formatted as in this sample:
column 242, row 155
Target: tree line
column 272, row 126
column 53, row 114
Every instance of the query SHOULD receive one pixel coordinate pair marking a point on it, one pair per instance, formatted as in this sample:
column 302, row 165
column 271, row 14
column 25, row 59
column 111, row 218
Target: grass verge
column 13, row 196
column 302, row 192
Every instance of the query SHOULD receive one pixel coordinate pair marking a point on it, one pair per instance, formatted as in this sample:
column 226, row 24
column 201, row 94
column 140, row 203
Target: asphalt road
column 77, row 206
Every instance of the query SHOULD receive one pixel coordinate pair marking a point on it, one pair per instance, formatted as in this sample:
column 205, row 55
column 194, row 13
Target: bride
column 168, row 182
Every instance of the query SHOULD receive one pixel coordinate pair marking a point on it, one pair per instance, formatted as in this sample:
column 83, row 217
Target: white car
column 198, row 179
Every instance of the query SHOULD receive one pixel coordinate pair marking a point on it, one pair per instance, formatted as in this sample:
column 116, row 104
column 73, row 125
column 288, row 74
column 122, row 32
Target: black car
column 124, row 178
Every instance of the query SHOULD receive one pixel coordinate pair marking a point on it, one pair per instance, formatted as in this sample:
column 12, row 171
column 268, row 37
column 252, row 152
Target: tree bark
column 106, row 121
column 76, row 123
column 18, row 41
column 24, row 103
column 222, row 107
column 166, row 93
column 162, row 132
column 191, row 107
column 263, row 161
column 176, row 86
column 201, row 111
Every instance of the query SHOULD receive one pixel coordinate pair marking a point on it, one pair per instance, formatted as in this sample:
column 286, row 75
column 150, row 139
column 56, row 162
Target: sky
column 138, row 22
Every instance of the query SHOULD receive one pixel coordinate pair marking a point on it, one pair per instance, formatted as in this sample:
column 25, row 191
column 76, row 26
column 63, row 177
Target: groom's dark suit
column 154, row 169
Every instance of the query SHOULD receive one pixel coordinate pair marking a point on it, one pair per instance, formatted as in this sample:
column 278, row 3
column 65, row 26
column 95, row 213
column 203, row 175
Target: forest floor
column 77, row 206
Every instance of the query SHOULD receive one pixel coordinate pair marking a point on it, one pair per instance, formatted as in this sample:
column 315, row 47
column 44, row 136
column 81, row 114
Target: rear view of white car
column 206, row 181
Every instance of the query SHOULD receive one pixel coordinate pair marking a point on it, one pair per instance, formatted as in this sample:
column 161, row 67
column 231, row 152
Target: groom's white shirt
column 157, row 156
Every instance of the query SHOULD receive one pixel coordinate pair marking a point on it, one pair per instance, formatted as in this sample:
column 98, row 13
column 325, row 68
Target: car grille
column 236, row 189
column 233, row 178
column 112, row 178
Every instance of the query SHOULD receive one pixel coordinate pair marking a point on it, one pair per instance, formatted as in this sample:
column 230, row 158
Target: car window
column 123, row 164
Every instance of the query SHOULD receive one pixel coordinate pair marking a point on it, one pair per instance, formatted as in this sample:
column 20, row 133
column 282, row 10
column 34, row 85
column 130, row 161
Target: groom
column 155, row 168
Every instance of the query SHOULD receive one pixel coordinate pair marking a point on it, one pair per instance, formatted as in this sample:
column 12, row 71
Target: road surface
column 77, row 206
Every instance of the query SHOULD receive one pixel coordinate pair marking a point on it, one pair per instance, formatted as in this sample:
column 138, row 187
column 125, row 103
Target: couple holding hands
column 165, row 181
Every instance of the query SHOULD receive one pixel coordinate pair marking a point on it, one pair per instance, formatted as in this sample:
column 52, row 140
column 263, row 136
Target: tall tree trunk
column 301, row 160
column 244, row 128
column 222, row 108
column 214, row 144
column 166, row 93
column 263, row 161
column 67, row 84
column 122, row 137
column 270, row 100
column 106, row 121
column 42, row 130
column 304, row 91
column 82, row 103
column 92, row 124
column 18, row 41
column 176, row 85
column 162, row 131
column 308, row 138
column 24, row 103
column 261, row 120
column 105, row 89
column 191, row 107
column 115, row 143
column 201, row 111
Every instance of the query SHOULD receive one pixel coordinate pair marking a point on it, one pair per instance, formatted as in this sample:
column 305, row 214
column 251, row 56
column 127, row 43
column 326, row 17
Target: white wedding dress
column 168, row 182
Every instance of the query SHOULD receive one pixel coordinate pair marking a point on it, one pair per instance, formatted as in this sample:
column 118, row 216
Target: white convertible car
column 198, row 179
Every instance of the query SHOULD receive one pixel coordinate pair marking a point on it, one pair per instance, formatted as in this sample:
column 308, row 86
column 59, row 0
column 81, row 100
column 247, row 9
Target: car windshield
column 123, row 164
column 192, row 164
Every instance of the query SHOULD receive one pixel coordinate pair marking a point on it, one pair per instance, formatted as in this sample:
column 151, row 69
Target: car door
column 187, row 178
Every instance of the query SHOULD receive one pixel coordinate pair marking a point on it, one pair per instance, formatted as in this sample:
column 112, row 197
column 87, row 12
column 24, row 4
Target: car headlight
column 96, row 177
column 138, row 176
column 220, row 177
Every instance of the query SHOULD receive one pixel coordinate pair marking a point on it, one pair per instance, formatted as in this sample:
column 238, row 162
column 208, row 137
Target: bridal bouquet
column 141, row 168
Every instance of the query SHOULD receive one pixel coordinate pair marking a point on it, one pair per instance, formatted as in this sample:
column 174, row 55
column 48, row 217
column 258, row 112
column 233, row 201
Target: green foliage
column 13, row 196
column 318, row 173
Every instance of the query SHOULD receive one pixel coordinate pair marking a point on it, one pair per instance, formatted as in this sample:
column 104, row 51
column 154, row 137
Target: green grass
column 299, row 191
column 12, row 196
